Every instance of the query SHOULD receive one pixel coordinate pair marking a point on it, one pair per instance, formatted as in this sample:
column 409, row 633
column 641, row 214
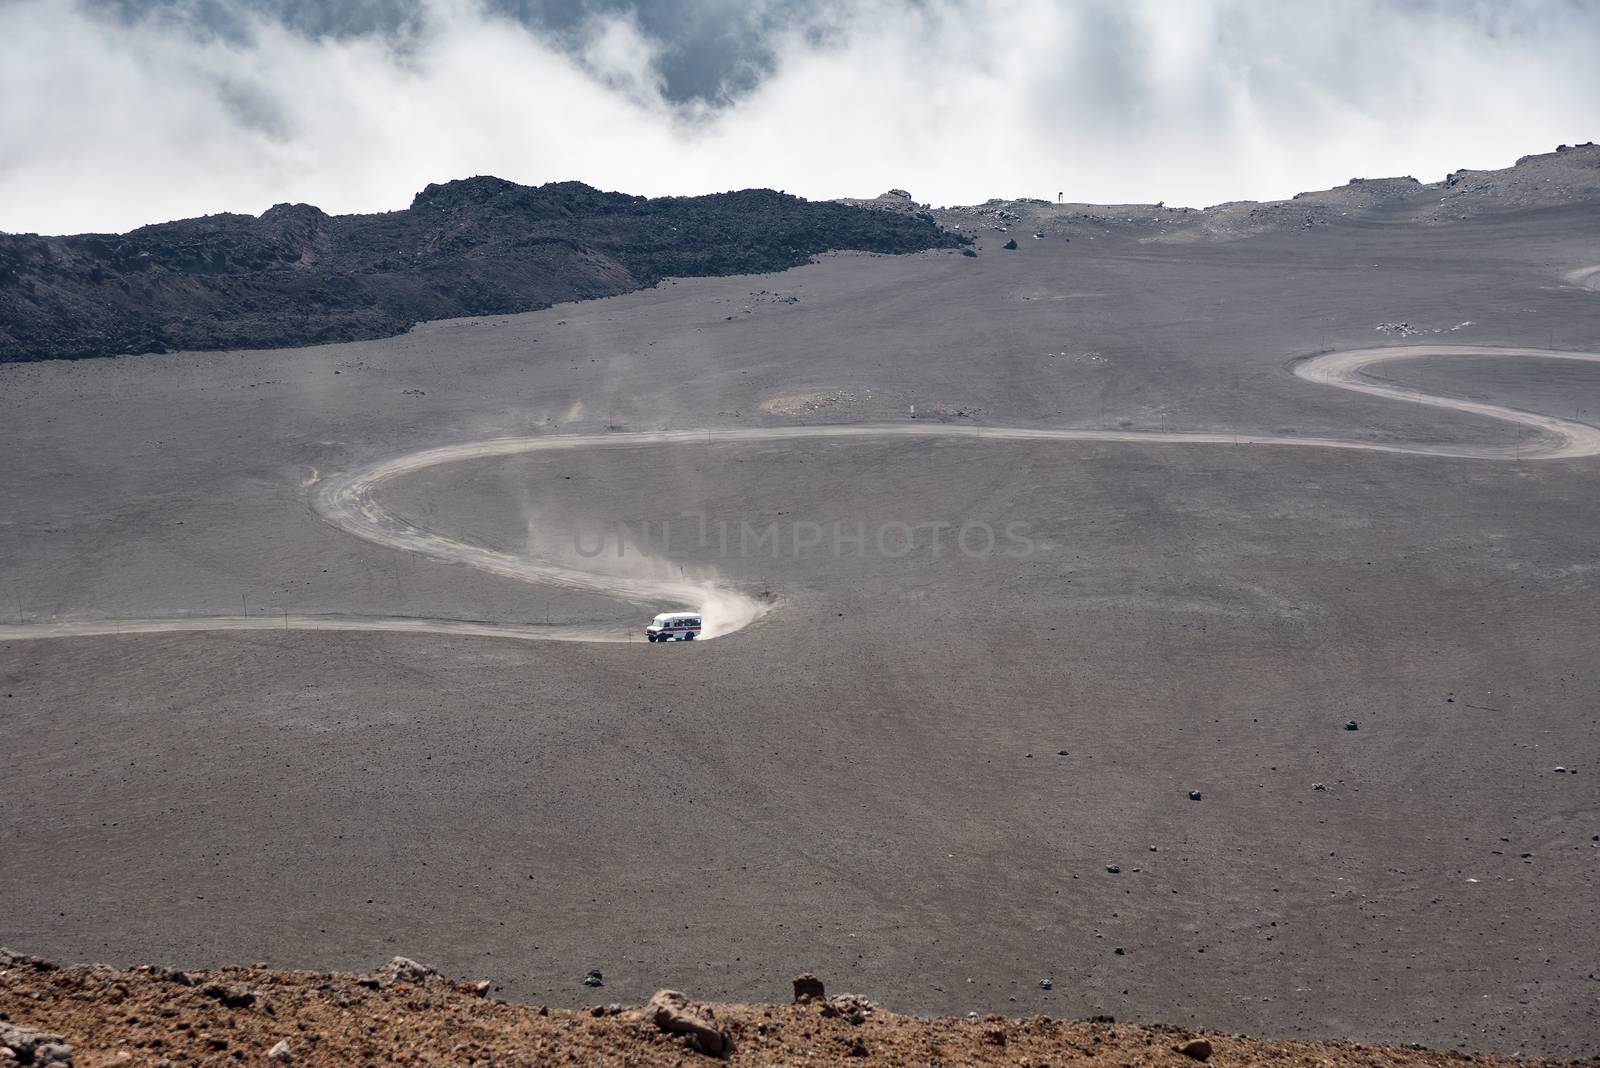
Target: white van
column 673, row 626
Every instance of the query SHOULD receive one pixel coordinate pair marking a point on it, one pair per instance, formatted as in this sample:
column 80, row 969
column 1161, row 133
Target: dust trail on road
column 1587, row 277
column 349, row 501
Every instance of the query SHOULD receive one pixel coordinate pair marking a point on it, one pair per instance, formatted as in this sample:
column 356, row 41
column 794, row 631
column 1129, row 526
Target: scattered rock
column 10, row 958
column 280, row 1054
column 676, row 1014
column 808, row 987
column 1010, row 245
column 594, row 978
column 1120, row 952
column 1047, row 984
column 1560, row 770
column 1351, row 725
column 1113, row 869
column 969, row 252
column 1319, row 787
column 852, row 1008
column 1196, row 1048
column 1194, row 795
column 30, row 1046
column 478, row 988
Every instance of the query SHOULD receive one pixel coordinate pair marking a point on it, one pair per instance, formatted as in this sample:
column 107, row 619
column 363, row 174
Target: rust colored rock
column 1196, row 1048
column 808, row 987
column 676, row 1014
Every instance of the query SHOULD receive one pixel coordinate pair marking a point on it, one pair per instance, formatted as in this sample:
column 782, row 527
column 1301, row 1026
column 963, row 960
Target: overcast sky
column 115, row 113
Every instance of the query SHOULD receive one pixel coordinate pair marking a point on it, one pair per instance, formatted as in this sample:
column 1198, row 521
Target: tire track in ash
column 350, row 501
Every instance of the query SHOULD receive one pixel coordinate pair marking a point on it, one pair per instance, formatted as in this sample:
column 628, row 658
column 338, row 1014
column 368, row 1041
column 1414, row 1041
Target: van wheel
column 688, row 637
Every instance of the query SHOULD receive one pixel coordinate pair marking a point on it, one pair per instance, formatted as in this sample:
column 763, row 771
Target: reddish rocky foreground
column 405, row 1013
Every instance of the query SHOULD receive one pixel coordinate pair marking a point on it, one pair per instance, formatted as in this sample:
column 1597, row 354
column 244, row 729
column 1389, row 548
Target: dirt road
column 350, row 501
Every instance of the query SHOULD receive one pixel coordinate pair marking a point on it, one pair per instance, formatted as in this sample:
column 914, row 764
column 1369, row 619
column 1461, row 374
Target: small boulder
column 1351, row 725
column 1198, row 1049
column 1010, row 245
column 594, row 978
column 676, row 1014
column 1194, row 795
column 280, row 1053
column 404, row 969
column 234, row 997
column 808, row 987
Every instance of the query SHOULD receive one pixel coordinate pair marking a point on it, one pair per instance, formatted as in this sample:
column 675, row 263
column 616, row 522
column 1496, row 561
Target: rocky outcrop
column 480, row 246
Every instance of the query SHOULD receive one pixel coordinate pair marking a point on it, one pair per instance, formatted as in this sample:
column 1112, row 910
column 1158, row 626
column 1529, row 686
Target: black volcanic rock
column 479, row 246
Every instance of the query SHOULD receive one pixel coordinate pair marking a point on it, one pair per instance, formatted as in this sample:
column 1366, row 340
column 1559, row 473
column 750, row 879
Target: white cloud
column 107, row 123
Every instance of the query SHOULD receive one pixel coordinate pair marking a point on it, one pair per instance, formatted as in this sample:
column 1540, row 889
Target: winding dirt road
column 350, row 501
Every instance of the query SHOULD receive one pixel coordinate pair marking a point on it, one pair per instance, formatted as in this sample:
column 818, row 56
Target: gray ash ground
column 866, row 783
